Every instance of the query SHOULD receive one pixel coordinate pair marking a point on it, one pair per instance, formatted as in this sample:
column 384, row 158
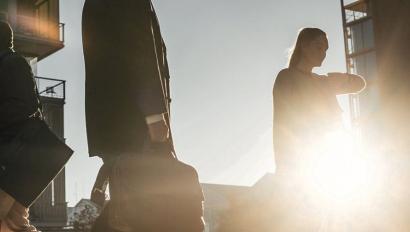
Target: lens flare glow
column 342, row 174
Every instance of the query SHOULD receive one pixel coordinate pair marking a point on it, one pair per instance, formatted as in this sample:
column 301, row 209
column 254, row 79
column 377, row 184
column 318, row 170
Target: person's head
column 6, row 36
column 311, row 46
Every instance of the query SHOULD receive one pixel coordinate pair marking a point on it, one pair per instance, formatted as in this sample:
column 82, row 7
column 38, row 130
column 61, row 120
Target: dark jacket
column 18, row 99
column 125, row 64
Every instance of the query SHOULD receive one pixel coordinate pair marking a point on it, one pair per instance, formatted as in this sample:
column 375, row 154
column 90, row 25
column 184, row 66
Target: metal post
column 352, row 105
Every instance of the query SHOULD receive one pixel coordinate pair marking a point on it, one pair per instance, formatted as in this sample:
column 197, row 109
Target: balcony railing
column 52, row 88
column 43, row 29
column 36, row 27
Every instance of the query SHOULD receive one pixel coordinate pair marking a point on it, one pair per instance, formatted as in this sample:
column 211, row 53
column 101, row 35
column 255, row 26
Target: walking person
column 18, row 102
column 127, row 116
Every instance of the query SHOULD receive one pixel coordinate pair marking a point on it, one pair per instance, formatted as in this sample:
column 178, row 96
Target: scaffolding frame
column 354, row 13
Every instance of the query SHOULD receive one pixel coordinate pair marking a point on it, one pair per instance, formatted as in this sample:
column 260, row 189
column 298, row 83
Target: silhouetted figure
column 305, row 104
column 18, row 103
column 305, row 111
column 127, row 115
column 124, row 64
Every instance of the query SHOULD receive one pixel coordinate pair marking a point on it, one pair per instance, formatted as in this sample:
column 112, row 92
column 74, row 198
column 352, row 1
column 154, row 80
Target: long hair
column 6, row 35
column 306, row 35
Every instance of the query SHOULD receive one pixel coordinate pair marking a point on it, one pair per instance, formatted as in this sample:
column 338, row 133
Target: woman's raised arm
column 344, row 83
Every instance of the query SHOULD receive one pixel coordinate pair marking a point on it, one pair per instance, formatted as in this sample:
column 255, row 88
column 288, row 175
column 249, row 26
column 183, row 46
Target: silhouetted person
column 125, row 63
column 18, row 103
column 305, row 112
column 305, row 104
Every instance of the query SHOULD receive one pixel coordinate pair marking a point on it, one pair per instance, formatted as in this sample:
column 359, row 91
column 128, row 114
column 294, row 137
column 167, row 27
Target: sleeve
column 150, row 94
column 342, row 83
column 18, row 97
column 283, row 100
column 285, row 118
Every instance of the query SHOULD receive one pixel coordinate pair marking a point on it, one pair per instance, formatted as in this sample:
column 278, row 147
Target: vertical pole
column 352, row 105
column 345, row 34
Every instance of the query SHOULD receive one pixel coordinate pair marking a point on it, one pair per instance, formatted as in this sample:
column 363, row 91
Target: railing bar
column 357, row 21
column 51, row 87
column 362, row 52
column 50, row 79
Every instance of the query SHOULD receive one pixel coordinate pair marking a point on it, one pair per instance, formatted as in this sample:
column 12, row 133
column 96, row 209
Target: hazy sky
column 223, row 56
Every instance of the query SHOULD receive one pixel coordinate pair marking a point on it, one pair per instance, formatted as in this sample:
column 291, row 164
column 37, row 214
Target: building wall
column 50, row 208
column 48, row 16
column 392, row 36
column 220, row 201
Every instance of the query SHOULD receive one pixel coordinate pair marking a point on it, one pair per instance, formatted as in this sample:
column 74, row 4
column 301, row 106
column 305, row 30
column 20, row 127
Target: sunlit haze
column 223, row 57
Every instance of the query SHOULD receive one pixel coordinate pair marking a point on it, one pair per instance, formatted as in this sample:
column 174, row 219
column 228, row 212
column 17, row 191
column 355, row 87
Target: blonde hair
column 305, row 35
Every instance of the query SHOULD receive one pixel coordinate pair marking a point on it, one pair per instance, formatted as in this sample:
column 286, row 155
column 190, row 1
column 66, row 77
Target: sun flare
column 342, row 174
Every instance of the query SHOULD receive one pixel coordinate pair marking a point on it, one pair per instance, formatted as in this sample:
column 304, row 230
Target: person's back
column 18, row 102
column 125, row 66
column 18, row 99
column 127, row 113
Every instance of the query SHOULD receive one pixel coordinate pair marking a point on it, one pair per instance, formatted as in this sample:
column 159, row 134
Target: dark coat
column 125, row 64
column 18, row 97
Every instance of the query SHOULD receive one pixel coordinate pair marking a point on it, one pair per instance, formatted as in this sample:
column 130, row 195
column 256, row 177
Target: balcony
column 357, row 11
column 36, row 25
column 50, row 88
column 359, row 37
column 36, row 38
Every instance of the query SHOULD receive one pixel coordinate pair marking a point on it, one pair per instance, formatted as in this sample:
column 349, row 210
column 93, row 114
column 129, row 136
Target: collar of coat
column 5, row 52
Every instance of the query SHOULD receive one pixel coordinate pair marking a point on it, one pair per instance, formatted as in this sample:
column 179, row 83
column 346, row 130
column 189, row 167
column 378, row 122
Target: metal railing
column 52, row 88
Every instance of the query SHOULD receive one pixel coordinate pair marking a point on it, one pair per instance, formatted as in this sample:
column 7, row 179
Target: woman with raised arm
column 305, row 104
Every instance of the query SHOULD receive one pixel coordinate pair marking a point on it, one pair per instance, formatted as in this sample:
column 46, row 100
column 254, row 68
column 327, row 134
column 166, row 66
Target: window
column 365, row 65
column 361, row 36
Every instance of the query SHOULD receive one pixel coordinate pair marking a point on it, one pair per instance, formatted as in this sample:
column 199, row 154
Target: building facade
column 377, row 38
column 229, row 208
column 38, row 33
column 220, row 200
column 377, row 35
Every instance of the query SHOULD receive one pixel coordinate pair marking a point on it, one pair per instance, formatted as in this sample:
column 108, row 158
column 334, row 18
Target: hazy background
column 223, row 56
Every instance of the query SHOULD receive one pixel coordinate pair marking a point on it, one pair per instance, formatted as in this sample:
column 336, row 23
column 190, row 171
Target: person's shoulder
column 284, row 76
column 319, row 76
column 15, row 59
column 284, row 72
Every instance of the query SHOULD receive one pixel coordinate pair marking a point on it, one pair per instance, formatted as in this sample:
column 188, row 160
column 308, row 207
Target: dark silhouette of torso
column 304, row 111
column 18, row 99
column 125, row 61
